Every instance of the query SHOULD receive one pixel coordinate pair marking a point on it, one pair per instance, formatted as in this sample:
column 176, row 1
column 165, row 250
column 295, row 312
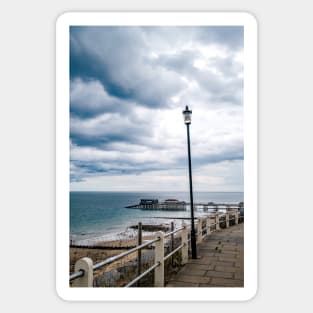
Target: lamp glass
column 187, row 117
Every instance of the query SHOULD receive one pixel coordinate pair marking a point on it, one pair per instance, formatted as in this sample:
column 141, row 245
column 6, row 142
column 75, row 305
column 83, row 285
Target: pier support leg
column 236, row 217
column 86, row 265
column 159, row 258
column 184, row 240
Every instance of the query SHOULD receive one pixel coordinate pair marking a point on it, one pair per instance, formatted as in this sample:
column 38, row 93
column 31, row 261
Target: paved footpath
column 219, row 263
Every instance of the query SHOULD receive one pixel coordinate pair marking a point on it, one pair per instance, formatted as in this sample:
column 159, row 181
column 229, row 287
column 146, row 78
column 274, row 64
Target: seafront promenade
column 220, row 261
column 220, row 246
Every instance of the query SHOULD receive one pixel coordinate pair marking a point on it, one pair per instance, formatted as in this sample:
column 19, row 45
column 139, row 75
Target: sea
column 102, row 216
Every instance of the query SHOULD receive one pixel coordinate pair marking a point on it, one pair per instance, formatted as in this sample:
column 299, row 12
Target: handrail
column 150, row 269
column 77, row 274
column 110, row 260
column 114, row 258
column 173, row 252
column 173, row 232
column 120, row 256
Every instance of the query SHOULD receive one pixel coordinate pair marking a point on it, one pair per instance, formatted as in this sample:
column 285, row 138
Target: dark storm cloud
column 118, row 58
column 108, row 128
column 81, row 169
column 89, row 99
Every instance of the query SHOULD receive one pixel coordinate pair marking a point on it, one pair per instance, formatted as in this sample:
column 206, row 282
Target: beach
column 103, row 250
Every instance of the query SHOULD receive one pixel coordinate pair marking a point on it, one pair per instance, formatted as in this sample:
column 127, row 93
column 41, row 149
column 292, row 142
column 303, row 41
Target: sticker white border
column 250, row 154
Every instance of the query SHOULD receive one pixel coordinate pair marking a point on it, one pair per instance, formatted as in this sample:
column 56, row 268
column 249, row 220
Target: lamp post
column 187, row 119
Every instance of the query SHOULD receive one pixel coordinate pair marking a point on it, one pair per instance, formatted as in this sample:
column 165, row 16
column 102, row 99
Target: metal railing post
column 217, row 221
column 86, row 265
column 139, row 242
column 227, row 218
column 184, row 240
column 159, row 258
column 199, row 230
column 172, row 242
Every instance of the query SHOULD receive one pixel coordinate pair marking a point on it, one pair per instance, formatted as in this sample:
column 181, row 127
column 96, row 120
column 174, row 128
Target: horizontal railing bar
column 120, row 256
column 173, row 232
column 77, row 274
column 150, row 269
column 182, row 218
column 173, row 252
column 170, row 218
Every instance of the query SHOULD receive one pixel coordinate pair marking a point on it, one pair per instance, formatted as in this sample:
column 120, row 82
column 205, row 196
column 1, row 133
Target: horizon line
column 147, row 191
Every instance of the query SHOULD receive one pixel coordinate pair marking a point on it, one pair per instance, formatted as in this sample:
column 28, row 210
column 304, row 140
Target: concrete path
column 219, row 263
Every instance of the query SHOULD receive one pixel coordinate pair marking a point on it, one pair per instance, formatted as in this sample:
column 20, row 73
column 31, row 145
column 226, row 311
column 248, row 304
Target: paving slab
column 219, row 263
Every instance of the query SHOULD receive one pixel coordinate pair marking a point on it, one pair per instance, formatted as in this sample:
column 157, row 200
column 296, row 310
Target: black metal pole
column 172, row 242
column 193, row 233
column 139, row 251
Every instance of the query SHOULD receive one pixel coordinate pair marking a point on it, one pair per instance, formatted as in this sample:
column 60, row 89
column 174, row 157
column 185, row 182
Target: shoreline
column 122, row 234
column 129, row 232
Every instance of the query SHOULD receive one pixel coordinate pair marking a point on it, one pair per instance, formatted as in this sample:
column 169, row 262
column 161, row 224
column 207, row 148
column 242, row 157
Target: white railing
column 84, row 268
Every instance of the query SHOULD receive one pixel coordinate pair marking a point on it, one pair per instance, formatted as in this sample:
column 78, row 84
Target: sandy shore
column 101, row 254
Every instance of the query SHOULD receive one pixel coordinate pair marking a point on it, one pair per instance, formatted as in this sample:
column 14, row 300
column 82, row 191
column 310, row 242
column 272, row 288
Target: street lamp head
column 187, row 115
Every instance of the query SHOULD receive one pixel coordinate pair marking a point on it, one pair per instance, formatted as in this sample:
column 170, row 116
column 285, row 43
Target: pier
column 176, row 205
column 154, row 204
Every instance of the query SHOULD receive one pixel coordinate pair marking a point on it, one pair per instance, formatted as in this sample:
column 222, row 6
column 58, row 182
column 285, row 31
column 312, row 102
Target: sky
column 128, row 88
